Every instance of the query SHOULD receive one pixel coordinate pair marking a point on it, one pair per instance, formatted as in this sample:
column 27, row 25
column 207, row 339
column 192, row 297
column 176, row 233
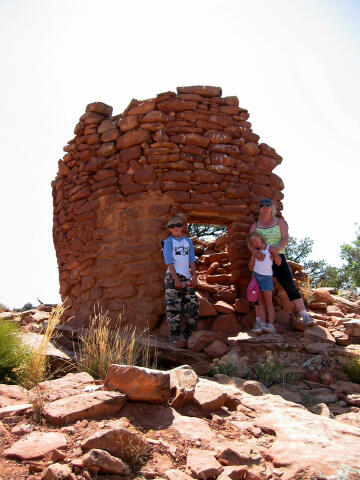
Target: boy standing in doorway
column 180, row 280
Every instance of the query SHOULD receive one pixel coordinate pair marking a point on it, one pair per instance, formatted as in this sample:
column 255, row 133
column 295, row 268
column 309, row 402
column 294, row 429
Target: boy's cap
column 265, row 201
column 174, row 220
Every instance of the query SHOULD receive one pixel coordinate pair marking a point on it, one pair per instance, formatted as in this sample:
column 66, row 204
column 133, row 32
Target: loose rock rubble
column 228, row 428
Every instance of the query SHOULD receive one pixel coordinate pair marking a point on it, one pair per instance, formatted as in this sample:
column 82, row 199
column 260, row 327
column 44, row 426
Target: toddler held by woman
column 263, row 273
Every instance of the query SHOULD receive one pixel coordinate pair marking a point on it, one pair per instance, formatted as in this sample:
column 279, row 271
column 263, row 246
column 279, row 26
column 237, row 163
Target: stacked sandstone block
column 191, row 152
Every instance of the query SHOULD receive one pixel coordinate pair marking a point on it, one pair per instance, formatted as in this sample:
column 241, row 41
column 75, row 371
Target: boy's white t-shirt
column 264, row 267
column 179, row 252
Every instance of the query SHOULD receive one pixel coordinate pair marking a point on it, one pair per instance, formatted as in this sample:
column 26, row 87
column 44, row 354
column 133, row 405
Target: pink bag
column 252, row 290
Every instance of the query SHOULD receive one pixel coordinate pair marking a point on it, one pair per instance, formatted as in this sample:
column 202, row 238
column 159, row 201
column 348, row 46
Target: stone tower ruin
column 193, row 153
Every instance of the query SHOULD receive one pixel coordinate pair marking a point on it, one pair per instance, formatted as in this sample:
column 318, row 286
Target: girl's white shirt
column 264, row 267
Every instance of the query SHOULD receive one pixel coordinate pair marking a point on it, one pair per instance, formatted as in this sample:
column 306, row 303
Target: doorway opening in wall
column 216, row 289
column 206, row 231
column 210, row 245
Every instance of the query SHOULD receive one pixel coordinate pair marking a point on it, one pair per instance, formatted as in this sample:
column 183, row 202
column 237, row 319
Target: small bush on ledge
column 352, row 369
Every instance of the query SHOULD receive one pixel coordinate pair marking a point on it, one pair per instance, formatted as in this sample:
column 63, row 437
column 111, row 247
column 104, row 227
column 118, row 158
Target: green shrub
column 352, row 369
column 27, row 306
column 13, row 353
column 222, row 366
column 308, row 400
column 271, row 371
column 3, row 307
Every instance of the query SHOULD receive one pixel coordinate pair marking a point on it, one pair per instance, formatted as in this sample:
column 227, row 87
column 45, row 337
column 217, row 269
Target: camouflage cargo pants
column 179, row 301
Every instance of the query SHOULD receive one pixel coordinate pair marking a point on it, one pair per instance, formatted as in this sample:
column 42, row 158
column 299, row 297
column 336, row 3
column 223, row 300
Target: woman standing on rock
column 275, row 232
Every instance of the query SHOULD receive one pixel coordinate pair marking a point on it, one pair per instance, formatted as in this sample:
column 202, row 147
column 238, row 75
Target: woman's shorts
column 265, row 282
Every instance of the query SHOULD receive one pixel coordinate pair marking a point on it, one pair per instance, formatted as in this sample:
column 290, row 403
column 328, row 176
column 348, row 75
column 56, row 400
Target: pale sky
column 295, row 65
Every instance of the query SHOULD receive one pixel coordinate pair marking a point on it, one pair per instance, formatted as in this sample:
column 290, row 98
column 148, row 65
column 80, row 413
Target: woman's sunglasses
column 173, row 225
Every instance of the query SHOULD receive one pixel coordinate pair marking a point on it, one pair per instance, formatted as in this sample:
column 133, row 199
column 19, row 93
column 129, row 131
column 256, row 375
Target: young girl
column 262, row 271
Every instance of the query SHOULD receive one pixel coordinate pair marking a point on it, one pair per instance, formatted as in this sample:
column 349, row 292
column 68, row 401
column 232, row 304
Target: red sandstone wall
column 194, row 153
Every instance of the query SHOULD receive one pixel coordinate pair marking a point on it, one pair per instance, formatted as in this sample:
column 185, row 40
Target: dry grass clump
column 134, row 451
column 306, row 291
column 102, row 346
column 34, row 368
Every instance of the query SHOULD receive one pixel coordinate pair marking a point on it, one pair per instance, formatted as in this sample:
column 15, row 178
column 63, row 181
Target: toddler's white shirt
column 264, row 267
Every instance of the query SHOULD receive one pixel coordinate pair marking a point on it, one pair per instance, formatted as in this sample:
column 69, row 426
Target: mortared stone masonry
column 193, row 153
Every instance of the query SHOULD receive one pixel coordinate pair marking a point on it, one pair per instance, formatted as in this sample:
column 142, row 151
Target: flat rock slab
column 353, row 399
column 56, row 357
column 266, row 338
column 318, row 347
column 12, row 410
column 237, row 453
column 289, row 395
column 40, row 316
column 319, row 334
column 70, row 384
column 192, row 428
column 12, row 395
column 345, row 387
column 223, row 307
column 202, row 338
column 251, row 387
column 177, row 356
column 304, row 442
column 203, row 464
column 56, row 471
column 84, row 405
column 206, row 308
column 350, row 418
column 352, row 328
column 173, row 474
column 149, row 416
column 36, row 445
column 350, row 351
column 209, row 396
column 352, row 307
column 8, row 316
column 97, row 460
column 116, row 441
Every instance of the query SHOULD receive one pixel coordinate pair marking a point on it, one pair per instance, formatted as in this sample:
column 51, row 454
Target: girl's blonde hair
column 257, row 235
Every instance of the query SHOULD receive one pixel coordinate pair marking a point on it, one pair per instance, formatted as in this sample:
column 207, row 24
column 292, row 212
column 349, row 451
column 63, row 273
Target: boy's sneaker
column 257, row 327
column 269, row 328
column 308, row 321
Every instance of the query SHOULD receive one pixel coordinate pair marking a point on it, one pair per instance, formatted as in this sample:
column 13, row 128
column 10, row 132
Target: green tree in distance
column 297, row 250
column 319, row 271
column 350, row 253
column 200, row 230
